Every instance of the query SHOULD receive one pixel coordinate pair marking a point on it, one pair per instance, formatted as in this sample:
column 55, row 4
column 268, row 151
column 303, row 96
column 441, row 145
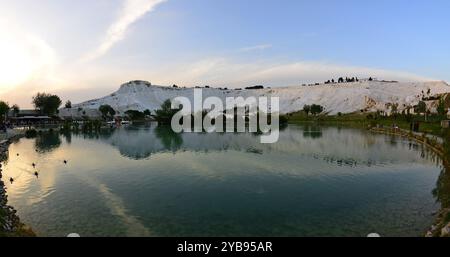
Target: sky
column 86, row 49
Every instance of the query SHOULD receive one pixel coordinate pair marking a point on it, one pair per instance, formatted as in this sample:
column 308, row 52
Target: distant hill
column 366, row 96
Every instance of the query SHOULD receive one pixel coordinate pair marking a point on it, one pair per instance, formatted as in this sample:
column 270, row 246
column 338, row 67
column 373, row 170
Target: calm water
column 144, row 181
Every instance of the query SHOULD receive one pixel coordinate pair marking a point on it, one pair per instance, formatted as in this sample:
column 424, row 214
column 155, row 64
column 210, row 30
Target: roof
column 33, row 118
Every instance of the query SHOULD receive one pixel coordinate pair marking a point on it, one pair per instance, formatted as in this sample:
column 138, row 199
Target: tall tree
column 166, row 113
column 4, row 109
column 307, row 109
column 46, row 103
column 68, row 104
column 107, row 111
column 422, row 108
column 441, row 108
column 16, row 109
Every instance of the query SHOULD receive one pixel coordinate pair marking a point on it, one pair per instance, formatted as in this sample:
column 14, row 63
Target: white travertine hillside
column 344, row 98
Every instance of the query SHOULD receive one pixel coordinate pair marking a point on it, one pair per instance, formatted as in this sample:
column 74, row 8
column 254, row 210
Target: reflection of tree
column 170, row 140
column 47, row 141
column 68, row 136
column 312, row 131
column 442, row 190
column 393, row 140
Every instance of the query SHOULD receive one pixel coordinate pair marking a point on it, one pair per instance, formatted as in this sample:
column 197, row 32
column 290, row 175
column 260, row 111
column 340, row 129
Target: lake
column 147, row 181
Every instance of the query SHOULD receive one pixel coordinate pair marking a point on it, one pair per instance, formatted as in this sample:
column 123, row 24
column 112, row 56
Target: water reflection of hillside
column 343, row 147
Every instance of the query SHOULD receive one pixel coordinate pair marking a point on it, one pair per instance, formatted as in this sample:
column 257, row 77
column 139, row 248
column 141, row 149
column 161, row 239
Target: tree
column 394, row 108
column 166, row 113
column 307, row 109
column 441, row 108
column 68, row 105
column 107, row 111
column 16, row 109
column 46, row 103
column 4, row 109
column 421, row 107
column 147, row 112
column 135, row 115
column 316, row 109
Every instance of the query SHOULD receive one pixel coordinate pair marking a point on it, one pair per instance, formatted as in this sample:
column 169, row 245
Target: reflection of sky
column 32, row 190
column 115, row 172
column 328, row 143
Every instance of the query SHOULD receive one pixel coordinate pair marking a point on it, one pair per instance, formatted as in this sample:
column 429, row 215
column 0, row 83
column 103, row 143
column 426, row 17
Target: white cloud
column 256, row 48
column 231, row 73
column 25, row 58
column 131, row 12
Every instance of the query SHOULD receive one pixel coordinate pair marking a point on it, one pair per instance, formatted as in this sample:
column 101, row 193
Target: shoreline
column 441, row 224
column 10, row 224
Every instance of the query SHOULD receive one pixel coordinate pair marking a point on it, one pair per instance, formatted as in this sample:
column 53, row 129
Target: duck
column 18, row 154
column 34, row 165
column 65, row 161
column 36, row 174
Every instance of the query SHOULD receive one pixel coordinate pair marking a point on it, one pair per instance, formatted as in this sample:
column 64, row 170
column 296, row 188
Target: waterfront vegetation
column 430, row 125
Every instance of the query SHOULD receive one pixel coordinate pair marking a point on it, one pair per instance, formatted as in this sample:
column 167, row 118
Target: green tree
column 107, row 111
column 441, row 108
column 147, row 112
column 316, row 109
column 422, row 108
column 46, row 103
column 16, row 109
column 307, row 109
column 394, row 109
column 166, row 113
column 4, row 109
column 135, row 115
column 68, row 105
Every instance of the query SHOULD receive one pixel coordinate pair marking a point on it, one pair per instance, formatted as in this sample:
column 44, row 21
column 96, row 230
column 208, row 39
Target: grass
column 364, row 120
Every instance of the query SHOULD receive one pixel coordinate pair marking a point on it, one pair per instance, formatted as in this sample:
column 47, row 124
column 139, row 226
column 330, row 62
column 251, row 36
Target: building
column 29, row 117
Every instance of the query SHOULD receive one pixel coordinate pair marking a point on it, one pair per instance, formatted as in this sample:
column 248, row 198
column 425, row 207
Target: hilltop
column 361, row 96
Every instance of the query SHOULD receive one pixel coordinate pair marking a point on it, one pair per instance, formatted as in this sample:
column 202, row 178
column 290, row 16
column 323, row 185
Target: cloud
column 228, row 72
column 256, row 48
column 28, row 63
column 131, row 12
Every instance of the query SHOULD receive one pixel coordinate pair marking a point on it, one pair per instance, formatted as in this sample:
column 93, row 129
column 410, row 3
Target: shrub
column 316, row 109
column 31, row 133
column 135, row 115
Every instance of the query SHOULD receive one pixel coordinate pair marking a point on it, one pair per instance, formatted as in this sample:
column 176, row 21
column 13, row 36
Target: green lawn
column 364, row 120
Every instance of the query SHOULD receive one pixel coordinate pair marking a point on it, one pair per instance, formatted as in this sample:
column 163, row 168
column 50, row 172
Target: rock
column 445, row 232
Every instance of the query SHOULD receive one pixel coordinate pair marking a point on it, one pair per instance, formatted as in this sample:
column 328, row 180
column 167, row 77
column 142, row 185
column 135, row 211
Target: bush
column 316, row 109
column 31, row 133
column 135, row 115
column 107, row 111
